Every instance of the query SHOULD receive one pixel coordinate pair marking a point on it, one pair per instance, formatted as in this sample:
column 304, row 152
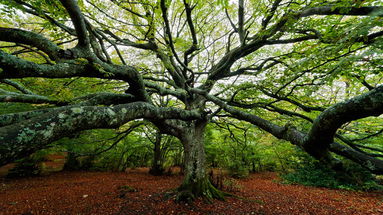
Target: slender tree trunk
column 157, row 168
column 196, row 182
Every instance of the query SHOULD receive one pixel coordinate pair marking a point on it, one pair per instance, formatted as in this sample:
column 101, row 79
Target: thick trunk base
column 203, row 188
column 196, row 182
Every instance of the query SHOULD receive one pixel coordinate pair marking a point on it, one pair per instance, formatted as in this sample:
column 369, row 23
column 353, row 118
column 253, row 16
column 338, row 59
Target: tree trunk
column 196, row 182
column 157, row 168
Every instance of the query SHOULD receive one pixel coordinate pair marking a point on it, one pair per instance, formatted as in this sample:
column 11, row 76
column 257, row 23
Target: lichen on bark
column 196, row 183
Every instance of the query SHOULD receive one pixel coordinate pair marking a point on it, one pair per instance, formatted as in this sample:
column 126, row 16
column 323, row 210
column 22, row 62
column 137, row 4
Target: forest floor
column 82, row 193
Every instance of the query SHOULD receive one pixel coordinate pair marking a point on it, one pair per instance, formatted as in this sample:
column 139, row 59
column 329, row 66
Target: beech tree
column 303, row 71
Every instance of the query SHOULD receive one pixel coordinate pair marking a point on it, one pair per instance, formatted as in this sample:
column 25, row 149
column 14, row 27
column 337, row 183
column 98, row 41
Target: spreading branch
column 20, row 139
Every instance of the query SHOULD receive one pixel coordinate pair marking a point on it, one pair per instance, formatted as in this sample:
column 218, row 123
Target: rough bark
column 30, row 38
column 20, row 139
column 196, row 182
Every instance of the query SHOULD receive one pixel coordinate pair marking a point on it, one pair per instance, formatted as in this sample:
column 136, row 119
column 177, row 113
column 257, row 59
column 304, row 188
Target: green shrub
column 313, row 173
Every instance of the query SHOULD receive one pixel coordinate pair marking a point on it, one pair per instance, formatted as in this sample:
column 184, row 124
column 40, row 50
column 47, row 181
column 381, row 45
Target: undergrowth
column 313, row 173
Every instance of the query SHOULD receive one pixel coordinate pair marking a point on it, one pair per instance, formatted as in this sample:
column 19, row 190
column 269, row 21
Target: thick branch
column 14, row 67
column 329, row 121
column 241, row 17
column 78, row 21
column 26, row 98
column 373, row 164
column 127, row 42
column 280, row 132
column 21, row 139
column 13, row 118
column 91, row 99
column 180, row 94
column 350, row 11
column 194, row 45
column 105, row 98
column 30, row 38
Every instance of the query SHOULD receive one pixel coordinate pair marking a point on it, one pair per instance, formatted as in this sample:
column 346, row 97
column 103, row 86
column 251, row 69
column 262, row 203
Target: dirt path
column 98, row 193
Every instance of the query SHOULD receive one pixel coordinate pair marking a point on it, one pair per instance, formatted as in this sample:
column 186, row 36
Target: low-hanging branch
column 25, row 137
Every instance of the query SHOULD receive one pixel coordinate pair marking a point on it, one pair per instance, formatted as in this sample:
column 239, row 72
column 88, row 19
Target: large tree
column 303, row 71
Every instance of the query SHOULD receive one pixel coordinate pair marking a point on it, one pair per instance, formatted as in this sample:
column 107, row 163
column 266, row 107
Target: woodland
column 209, row 97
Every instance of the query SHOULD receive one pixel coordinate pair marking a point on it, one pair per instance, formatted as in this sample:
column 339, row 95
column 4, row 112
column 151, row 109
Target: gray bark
column 193, row 142
column 196, row 182
column 20, row 139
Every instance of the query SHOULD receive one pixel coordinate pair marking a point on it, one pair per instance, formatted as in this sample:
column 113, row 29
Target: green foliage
column 244, row 152
column 223, row 3
column 97, row 150
column 310, row 172
column 33, row 164
column 85, row 151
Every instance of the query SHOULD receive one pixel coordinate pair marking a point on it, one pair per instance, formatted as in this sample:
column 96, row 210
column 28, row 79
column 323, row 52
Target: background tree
column 279, row 65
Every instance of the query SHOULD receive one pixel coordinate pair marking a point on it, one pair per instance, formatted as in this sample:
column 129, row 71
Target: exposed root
column 188, row 192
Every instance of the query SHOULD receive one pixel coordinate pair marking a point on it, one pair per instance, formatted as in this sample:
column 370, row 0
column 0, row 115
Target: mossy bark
column 196, row 182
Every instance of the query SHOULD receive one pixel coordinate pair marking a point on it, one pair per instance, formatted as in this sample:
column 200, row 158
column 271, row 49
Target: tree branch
column 194, row 45
column 21, row 139
column 330, row 120
column 16, row 85
column 30, row 38
column 26, row 98
column 241, row 17
column 349, row 11
column 78, row 21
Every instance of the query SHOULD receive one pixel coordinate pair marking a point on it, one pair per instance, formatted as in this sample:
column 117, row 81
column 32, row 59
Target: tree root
column 188, row 192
